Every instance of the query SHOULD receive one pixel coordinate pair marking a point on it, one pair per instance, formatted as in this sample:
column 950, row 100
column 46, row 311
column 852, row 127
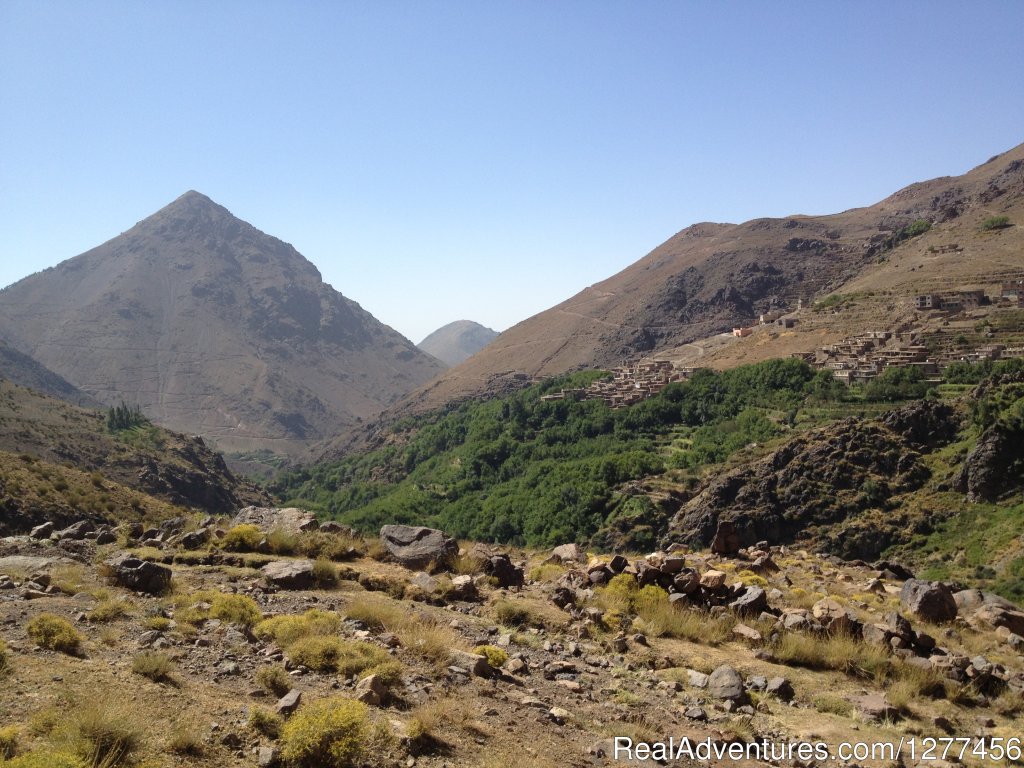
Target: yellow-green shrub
column 236, row 609
column 152, row 664
column 325, row 734
column 8, row 742
column 332, row 654
column 285, row 630
column 266, row 722
column 495, row 656
column 750, row 578
column 5, row 659
column 242, row 538
column 514, row 613
column 45, row 758
column 274, row 679
column 54, row 633
column 389, row 672
column 103, row 735
column 325, row 574
column 108, row 610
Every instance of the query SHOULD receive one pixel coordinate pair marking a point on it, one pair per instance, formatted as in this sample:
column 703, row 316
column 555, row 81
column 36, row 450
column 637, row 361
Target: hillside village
column 931, row 346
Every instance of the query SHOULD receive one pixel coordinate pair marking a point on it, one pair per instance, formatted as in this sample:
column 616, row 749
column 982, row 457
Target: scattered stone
column 713, row 579
column 834, row 617
column 781, row 688
column 695, row 713
column 268, row 757
column 474, row 663
column 289, row 574
column 289, row 702
column 504, row 572
column 568, row 553
column 139, row 575
column 288, row 519
column 929, row 600
column 747, row 633
column 726, row 683
column 371, row 690
column 727, row 539
column 417, row 547
column 752, row 602
column 697, row 679
column 42, row 531
column 875, row 708
column 558, row 715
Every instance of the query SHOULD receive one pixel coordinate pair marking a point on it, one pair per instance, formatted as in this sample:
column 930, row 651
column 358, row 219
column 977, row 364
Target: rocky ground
column 731, row 646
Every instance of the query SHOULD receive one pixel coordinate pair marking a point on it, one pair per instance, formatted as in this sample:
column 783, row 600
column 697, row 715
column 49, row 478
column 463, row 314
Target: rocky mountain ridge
column 213, row 328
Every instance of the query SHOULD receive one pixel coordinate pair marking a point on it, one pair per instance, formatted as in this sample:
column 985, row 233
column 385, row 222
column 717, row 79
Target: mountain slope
column 26, row 372
column 455, row 342
column 216, row 328
column 58, row 442
column 709, row 278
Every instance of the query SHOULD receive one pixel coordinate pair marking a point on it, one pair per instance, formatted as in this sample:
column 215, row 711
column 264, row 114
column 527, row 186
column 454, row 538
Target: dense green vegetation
column 995, row 222
column 123, row 417
column 974, row 373
column 524, row 470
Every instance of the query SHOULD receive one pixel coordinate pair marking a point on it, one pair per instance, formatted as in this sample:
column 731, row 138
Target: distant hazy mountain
column 213, row 328
column 22, row 370
column 453, row 343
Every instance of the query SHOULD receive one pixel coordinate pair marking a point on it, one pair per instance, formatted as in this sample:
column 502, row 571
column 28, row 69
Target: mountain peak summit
column 215, row 328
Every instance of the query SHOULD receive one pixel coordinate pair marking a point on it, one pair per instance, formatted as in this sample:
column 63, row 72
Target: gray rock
column 727, row 539
column 194, row 539
column 930, row 600
column 874, row 708
column 132, row 573
column 568, row 553
column 751, row 602
column 474, row 663
column 289, row 574
column 726, row 683
column 288, row 519
column 418, row 547
column 77, row 531
column 268, row 757
column 371, row 690
column 42, row 531
column 780, row 687
column 503, row 571
column 289, row 702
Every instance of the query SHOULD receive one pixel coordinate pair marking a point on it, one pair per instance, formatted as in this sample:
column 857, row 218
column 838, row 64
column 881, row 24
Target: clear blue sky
column 484, row 159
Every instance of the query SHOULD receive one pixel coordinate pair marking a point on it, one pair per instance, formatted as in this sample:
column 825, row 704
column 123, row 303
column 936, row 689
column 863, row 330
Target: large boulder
column 968, row 600
column 568, row 553
column 727, row 539
column 752, row 602
column 417, row 547
column 288, row 519
column 289, row 574
column 726, row 683
column 503, row 571
column 993, row 616
column 132, row 573
column 929, row 600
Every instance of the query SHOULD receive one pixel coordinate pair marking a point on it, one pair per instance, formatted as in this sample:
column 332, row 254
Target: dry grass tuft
column 153, row 664
column 54, row 633
column 276, row 680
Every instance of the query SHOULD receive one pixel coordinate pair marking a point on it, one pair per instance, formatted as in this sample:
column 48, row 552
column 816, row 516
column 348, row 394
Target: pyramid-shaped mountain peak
column 215, row 328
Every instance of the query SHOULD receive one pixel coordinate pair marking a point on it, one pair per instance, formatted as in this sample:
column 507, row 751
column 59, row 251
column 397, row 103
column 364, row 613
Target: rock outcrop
column 417, row 547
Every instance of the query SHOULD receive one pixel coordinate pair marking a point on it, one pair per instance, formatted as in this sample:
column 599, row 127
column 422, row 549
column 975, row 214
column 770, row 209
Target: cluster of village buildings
column 853, row 360
column 631, row 382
